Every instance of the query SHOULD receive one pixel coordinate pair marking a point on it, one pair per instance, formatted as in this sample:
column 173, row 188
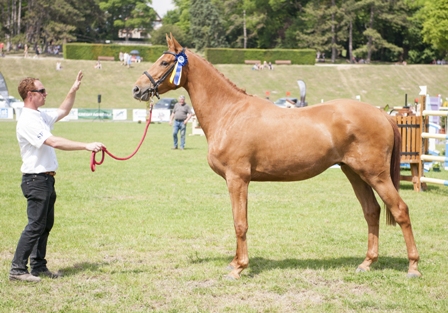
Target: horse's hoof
column 361, row 270
column 413, row 275
column 230, row 277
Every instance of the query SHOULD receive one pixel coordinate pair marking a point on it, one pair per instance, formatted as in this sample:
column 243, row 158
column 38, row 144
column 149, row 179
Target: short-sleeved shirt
column 33, row 128
column 181, row 111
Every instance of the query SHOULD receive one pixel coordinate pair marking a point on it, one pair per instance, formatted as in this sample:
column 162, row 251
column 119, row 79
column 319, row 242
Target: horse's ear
column 175, row 46
column 168, row 40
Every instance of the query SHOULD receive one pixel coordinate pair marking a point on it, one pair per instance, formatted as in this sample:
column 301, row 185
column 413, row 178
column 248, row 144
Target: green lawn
column 155, row 234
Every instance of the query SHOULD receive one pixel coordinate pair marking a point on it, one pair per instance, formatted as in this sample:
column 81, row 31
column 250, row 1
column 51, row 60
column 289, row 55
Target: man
column 181, row 114
column 39, row 165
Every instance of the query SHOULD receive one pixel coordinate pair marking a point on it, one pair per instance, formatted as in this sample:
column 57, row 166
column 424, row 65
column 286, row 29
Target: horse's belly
column 282, row 170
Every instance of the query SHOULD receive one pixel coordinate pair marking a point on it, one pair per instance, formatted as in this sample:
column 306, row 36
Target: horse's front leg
column 371, row 210
column 238, row 189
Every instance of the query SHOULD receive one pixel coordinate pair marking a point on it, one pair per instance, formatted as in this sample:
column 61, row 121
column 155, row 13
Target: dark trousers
column 39, row 191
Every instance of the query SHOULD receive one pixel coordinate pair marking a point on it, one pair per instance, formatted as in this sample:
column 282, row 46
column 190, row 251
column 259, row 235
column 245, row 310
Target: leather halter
column 155, row 84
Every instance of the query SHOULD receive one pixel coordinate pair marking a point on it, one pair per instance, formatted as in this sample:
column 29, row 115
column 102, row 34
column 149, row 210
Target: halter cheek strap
column 155, row 85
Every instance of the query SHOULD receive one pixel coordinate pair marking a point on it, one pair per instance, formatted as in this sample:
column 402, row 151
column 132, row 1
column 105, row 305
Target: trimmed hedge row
column 85, row 51
column 237, row 56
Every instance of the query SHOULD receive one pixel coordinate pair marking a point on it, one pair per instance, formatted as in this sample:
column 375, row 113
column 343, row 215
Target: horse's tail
column 394, row 165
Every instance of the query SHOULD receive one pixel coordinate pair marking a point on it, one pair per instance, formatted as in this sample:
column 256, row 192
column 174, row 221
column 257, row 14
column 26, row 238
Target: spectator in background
column 37, row 51
column 180, row 116
column 125, row 58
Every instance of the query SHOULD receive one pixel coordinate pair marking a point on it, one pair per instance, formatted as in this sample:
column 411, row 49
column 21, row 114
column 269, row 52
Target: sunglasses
column 42, row 91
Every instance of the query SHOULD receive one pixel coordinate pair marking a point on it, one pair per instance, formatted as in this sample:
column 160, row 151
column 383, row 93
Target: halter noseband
column 155, row 84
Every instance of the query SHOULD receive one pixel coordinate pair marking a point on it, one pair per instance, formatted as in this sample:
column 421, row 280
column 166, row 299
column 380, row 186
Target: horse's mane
column 222, row 75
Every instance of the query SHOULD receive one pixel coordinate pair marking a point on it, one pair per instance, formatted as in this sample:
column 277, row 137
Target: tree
column 325, row 29
column 233, row 15
column 126, row 15
column 10, row 20
column 349, row 14
column 206, row 26
column 180, row 17
column 92, row 26
column 435, row 24
column 268, row 21
column 158, row 37
column 380, row 17
column 50, row 22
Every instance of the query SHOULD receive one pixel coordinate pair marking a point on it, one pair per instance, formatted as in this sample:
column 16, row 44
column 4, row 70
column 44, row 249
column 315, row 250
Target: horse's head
column 165, row 74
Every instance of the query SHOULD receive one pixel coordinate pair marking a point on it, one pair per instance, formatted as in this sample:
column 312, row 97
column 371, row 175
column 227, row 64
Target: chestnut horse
column 250, row 139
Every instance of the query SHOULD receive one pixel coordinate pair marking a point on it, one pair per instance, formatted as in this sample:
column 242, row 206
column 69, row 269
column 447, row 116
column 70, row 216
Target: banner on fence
column 139, row 115
column 160, row 115
column 120, row 114
column 71, row 115
column 92, row 114
column 6, row 113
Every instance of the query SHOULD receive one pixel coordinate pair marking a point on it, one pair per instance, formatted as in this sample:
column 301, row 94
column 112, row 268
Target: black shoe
column 174, row 148
column 24, row 277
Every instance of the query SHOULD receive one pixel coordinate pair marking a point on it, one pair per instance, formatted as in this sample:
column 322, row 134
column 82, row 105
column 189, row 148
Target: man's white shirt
column 33, row 128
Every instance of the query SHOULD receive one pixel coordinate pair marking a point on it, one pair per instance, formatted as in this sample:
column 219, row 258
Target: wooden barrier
column 411, row 127
column 285, row 62
column 252, row 62
column 106, row 58
column 414, row 140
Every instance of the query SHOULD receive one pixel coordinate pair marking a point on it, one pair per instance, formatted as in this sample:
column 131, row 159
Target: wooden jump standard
column 414, row 142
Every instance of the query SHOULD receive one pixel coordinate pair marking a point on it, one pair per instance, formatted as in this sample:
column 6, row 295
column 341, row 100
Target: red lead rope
column 93, row 161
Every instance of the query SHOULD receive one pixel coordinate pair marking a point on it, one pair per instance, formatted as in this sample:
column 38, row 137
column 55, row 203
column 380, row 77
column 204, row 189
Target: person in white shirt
column 39, row 165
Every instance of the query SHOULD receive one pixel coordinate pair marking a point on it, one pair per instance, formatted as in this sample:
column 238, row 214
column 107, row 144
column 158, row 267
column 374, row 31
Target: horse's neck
column 210, row 92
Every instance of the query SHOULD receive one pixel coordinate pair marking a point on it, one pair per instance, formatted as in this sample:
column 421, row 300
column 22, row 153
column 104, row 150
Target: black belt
column 41, row 174
column 180, row 120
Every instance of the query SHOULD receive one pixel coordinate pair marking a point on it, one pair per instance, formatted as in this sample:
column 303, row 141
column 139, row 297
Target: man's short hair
column 27, row 84
column 182, row 97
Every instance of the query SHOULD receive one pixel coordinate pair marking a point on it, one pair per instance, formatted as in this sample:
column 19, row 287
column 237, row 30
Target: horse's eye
column 164, row 63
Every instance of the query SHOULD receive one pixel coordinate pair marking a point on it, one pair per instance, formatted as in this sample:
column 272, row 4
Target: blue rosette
column 182, row 60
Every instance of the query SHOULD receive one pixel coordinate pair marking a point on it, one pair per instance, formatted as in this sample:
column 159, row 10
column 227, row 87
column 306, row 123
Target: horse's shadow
column 81, row 267
column 258, row 265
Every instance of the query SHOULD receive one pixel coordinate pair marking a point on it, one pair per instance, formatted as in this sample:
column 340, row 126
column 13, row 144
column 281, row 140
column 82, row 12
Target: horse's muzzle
column 142, row 94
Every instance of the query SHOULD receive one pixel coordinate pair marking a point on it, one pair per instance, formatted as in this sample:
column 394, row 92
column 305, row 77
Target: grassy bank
column 375, row 84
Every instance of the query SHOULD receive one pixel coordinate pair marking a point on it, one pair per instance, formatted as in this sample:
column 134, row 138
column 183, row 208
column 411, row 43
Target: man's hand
column 95, row 146
column 77, row 83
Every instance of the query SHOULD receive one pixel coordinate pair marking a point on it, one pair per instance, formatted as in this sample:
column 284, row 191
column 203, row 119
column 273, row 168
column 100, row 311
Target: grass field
column 375, row 84
column 155, row 234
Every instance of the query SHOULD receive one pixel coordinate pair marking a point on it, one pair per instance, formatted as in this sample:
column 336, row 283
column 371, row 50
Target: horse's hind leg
column 371, row 210
column 400, row 212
